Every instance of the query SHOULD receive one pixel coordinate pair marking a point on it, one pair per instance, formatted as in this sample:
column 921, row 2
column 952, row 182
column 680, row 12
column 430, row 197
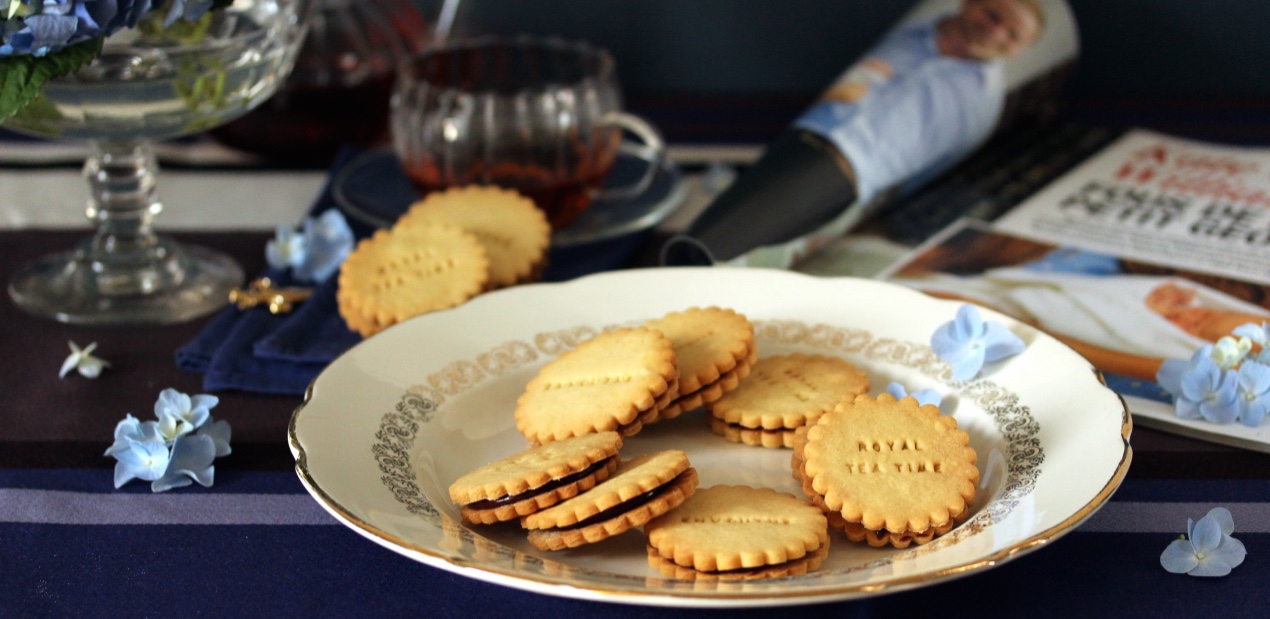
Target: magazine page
column 1155, row 198
column 1124, row 314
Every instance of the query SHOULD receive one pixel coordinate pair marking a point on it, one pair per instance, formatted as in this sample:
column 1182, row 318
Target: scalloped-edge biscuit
column 726, row 528
column 536, row 478
column 603, row 384
column 880, row 539
column 641, row 489
column 507, row 224
column 633, row 478
column 708, row 393
column 709, row 342
column 893, row 465
column 809, row 563
column 755, row 437
column 395, row 275
column 788, row 391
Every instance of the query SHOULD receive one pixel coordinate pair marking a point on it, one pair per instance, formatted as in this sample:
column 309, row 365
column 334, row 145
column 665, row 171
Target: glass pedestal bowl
column 150, row 84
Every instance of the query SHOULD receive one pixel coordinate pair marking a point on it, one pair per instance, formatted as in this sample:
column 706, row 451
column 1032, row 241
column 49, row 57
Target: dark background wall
column 1170, row 64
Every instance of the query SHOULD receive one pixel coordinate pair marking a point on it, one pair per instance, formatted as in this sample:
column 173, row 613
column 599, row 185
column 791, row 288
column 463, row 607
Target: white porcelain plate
column 389, row 425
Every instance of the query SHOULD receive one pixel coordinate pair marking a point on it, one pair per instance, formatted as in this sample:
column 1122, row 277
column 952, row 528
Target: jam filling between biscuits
column 543, row 489
column 624, row 506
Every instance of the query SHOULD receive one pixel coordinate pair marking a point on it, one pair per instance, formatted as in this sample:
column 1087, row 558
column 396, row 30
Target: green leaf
column 22, row 77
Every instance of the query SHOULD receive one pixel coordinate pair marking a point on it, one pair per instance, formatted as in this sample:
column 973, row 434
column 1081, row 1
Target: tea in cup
column 542, row 116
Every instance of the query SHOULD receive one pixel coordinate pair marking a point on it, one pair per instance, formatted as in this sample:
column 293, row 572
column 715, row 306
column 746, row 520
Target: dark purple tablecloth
column 256, row 544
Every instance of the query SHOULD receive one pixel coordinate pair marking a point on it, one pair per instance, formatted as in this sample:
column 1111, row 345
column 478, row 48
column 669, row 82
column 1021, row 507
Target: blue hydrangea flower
column 1254, row 393
column 330, row 240
column 168, row 453
column 1208, row 548
column 1201, row 389
column 191, row 461
column 142, row 459
column 923, row 397
column 968, row 341
column 130, row 430
column 317, row 252
column 38, row 27
column 194, row 411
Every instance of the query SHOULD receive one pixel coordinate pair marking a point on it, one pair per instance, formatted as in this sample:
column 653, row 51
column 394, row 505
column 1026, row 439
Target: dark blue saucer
column 373, row 189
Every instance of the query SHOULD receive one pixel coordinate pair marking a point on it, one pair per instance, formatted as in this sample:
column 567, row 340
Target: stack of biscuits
column 444, row 250
column 888, row 472
column 782, row 394
column 883, row 471
column 575, row 491
column 626, row 378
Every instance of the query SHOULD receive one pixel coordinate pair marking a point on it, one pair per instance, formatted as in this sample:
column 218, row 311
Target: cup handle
column 652, row 150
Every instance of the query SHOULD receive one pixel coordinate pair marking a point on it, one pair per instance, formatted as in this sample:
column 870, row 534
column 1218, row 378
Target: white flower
column 83, row 361
column 286, row 250
column 1228, row 352
column 183, row 409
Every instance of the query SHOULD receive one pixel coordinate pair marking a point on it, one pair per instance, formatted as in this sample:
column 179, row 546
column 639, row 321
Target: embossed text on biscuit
column 587, row 381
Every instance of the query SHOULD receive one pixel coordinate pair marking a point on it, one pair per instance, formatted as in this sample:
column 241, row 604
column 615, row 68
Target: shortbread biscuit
column 394, row 275
column 788, row 391
column 708, row 393
column 512, row 230
column 809, row 563
column 603, row 384
column 726, row 528
column 641, row 489
column 798, row 442
column 709, row 342
column 756, row 437
column 535, row 479
column 891, row 465
column 879, row 539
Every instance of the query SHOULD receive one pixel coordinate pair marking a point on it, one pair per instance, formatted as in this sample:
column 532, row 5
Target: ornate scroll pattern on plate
column 393, row 441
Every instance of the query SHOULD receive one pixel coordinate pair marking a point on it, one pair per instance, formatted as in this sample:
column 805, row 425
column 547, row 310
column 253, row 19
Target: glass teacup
column 542, row 116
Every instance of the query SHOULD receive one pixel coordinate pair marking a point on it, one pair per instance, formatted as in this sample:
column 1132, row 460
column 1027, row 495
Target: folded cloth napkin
column 254, row 350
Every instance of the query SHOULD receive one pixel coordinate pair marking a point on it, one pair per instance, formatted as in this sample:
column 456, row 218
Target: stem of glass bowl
column 125, row 273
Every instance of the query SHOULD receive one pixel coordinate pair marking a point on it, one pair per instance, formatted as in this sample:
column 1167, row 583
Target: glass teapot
column 339, row 90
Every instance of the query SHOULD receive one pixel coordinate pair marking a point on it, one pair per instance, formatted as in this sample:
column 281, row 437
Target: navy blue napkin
column 254, row 350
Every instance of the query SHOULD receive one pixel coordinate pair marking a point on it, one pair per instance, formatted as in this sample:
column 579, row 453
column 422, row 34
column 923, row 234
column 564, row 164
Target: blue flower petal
column 999, row 342
column 219, row 432
column 142, row 460
column 191, row 460
column 330, row 240
column 1179, row 557
column 1210, row 566
column 1200, row 380
column 1170, row 375
column 969, row 324
column 170, row 481
column 1225, row 521
column 928, row 396
column 1206, row 535
column 1231, row 552
column 968, row 366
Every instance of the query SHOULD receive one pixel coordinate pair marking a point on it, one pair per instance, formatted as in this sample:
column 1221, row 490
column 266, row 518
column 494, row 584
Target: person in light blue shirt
column 925, row 96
